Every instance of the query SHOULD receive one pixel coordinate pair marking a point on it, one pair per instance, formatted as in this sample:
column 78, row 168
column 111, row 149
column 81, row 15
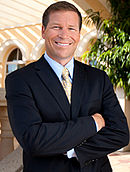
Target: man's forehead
column 58, row 12
column 61, row 18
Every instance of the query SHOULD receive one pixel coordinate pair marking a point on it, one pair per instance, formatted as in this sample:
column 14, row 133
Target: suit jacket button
column 87, row 162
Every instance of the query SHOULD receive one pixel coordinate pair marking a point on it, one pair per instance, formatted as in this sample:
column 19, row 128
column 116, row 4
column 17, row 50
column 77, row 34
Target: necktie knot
column 65, row 74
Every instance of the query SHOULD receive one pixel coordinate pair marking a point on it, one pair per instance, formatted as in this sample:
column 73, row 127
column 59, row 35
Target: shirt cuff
column 96, row 126
column 71, row 153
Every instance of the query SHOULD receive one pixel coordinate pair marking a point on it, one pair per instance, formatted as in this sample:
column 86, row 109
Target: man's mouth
column 63, row 44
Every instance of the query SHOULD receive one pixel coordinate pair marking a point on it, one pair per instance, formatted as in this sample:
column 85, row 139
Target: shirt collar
column 57, row 67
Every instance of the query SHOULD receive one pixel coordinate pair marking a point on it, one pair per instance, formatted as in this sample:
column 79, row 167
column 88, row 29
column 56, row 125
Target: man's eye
column 56, row 27
column 71, row 28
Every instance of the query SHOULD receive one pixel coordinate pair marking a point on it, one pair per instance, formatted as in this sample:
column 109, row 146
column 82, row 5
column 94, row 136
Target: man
column 62, row 131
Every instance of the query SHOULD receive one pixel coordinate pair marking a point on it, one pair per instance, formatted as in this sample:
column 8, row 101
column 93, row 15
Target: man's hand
column 99, row 120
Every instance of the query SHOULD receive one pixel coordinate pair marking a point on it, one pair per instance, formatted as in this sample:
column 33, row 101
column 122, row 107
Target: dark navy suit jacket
column 47, row 126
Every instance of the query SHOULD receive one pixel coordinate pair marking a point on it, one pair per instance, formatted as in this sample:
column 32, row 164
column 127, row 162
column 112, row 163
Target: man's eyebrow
column 71, row 25
column 55, row 23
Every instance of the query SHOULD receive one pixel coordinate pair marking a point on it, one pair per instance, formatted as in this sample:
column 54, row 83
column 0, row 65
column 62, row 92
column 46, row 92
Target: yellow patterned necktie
column 66, row 83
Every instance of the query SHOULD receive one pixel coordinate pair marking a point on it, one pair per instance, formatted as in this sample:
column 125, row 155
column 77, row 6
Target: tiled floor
column 120, row 161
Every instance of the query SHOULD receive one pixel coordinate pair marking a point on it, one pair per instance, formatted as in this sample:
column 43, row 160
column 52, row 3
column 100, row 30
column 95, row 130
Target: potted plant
column 111, row 50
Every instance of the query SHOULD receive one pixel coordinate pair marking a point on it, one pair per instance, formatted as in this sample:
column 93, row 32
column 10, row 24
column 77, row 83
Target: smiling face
column 61, row 35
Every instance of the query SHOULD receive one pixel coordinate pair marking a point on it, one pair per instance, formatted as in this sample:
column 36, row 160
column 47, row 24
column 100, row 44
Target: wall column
column 6, row 137
column 125, row 105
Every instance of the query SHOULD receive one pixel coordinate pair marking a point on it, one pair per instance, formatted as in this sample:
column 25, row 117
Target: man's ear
column 43, row 32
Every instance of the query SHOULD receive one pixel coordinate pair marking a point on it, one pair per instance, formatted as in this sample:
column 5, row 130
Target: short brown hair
column 60, row 6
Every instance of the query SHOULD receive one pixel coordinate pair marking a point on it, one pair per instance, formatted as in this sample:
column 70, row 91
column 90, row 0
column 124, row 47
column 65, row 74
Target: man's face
column 61, row 35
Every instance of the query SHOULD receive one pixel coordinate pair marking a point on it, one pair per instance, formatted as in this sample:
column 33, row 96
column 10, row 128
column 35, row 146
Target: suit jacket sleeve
column 110, row 138
column 36, row 136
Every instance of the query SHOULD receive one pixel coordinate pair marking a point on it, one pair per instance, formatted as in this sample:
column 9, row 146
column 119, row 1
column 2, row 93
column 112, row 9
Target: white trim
column 38, row 49
column 12, row 43
column 82, row 46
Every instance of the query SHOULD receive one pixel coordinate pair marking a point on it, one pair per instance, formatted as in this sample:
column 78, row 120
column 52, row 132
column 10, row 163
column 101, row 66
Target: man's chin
column 65, row 57
column 63, row 60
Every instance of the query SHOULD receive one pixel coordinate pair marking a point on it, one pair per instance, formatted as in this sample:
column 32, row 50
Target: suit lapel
column 77, row 88
column 49, row 78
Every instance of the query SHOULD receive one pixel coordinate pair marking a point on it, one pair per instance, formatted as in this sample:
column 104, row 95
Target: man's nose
column 64, row 33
